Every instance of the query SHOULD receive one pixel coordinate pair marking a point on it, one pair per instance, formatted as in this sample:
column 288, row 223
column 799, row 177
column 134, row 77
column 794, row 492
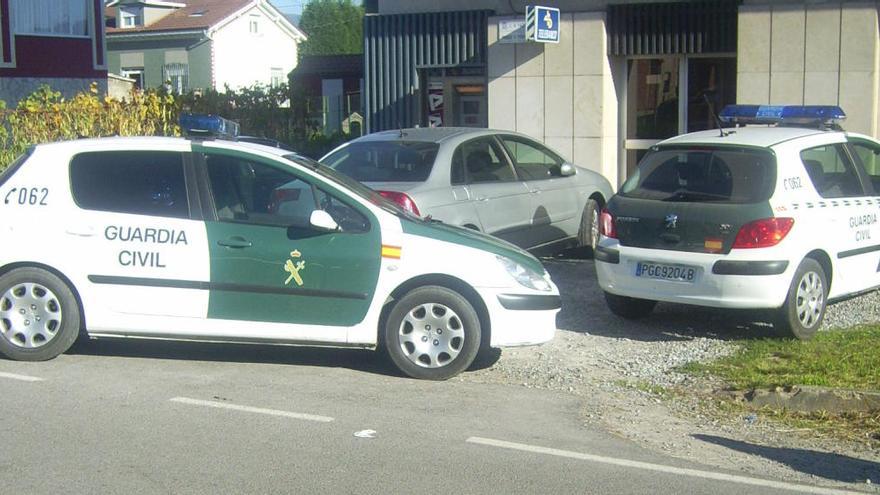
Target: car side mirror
column 567, row 170
column 322, row 220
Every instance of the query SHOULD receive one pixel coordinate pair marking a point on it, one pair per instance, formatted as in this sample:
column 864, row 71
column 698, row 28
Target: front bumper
column 520, row 319
column 746, row 279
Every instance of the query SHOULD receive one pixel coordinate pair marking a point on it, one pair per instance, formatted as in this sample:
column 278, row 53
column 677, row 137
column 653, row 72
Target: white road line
column 23, row 378
column 695, row 473
column 257, row 410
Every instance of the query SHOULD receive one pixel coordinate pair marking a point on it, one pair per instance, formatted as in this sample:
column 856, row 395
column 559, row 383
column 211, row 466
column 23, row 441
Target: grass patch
column 840, row 359
column 647, row 387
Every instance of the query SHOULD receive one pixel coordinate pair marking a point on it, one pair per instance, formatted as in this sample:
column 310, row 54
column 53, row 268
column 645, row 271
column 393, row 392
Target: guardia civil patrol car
column 216, row 240
column 778, row 213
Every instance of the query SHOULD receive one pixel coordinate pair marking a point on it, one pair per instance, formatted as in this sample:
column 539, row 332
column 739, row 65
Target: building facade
column 624, row 74
column 36, row 34
column 200, row 44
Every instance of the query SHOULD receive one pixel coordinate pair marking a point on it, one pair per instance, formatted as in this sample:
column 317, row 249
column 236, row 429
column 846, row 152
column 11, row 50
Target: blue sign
column 542, row 24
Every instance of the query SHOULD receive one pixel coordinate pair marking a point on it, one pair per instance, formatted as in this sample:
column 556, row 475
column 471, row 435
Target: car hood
column 471, row 238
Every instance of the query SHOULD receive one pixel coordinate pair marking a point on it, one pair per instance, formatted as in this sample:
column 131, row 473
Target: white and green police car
column 781, row 216
column 217, row 240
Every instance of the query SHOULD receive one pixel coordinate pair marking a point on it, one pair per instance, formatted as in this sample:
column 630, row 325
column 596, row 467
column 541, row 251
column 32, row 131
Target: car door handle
column 235, row 242
column 535, row 191
column 482, row 198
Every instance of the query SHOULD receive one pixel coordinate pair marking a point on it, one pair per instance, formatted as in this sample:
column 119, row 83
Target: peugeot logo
column 671, row 221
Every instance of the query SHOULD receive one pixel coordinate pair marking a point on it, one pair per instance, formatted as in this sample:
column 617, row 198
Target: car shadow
column 354, row 359
column 584, row 311
column 827, row 465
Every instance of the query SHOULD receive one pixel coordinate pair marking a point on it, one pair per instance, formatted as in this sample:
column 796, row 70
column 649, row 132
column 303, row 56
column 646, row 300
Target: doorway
column 671, row 95
column 454, row 97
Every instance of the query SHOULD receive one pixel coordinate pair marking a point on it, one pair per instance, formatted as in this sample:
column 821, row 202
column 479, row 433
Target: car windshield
column 351, row 185
column 385, row 161
column 722, row 175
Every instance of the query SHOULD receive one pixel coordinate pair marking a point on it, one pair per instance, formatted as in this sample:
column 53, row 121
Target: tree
column 334, row 27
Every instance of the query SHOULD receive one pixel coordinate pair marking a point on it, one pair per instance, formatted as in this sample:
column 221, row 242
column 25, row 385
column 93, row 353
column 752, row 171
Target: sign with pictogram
column 542, row 24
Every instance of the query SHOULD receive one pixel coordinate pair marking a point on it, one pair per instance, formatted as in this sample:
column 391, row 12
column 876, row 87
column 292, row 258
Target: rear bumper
column 740, row 280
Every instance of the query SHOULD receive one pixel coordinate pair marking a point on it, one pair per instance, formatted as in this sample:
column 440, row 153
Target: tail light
column 402, row 200
column 606, row 224
column 763, row 233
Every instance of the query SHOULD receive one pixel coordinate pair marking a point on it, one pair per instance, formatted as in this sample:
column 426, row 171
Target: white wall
column 562, row 94
column 242, row 59
column 812, row 53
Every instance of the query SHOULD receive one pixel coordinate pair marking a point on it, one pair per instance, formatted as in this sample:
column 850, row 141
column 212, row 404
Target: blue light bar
column 207, row 125
column 782, row 114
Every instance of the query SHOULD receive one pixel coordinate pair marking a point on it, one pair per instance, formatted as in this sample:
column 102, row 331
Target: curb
column 804, row 398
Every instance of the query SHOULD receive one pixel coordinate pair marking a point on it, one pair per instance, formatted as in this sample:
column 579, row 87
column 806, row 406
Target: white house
column 200, row 44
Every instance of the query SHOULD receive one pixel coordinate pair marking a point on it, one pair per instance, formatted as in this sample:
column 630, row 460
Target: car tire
column 629, row 307
column 588, row 233
column 432, row 333
column 39, row 315
column 804, row 309
column 486, row 358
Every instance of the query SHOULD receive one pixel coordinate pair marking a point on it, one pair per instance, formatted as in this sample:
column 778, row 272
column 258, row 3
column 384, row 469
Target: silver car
column 498, row 182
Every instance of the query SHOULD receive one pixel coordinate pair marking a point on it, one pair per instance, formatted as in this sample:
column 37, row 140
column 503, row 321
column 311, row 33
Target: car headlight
column 525, row 277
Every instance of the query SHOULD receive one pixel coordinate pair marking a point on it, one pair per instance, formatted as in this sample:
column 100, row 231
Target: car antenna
column 715, row 115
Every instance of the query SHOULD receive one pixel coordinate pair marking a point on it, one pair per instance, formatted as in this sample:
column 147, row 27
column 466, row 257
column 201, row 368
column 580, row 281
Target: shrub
column 45, row 116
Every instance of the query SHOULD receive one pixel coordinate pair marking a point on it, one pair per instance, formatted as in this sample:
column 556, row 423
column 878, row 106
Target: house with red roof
column 200, row 44
column 59, row 43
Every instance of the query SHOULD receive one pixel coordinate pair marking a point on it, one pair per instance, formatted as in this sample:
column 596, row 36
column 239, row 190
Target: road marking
column 695, row 473
column 256, row 410
column 23, row 378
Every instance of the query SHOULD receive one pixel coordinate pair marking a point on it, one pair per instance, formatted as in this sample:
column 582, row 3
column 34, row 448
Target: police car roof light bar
column 822, row 115
column 208, row 125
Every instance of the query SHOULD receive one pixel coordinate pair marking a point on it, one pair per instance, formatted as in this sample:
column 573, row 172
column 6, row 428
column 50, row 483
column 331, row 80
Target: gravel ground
column 614, row 364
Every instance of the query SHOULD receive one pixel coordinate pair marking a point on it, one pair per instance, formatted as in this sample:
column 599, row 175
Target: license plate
column 680, row 273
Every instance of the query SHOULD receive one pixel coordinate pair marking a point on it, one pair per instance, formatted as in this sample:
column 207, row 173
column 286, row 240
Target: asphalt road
column 158, row 417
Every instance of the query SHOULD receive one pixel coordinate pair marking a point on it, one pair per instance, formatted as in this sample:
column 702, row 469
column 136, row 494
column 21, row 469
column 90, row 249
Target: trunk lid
column 694, row 199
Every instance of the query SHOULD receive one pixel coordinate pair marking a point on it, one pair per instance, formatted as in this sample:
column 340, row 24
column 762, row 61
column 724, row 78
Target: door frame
column 626, row 144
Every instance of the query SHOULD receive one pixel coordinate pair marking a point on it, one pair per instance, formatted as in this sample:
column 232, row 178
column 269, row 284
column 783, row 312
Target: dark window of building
column 138, row 182
column 176, row 78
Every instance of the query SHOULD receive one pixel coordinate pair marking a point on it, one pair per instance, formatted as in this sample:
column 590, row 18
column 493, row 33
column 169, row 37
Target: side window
column 832, row 173
column 256, row 193
column 482, row 161
column 138, row 182
column 348, row 219
column 869, row 155
column 532, row 160
column 253, row 192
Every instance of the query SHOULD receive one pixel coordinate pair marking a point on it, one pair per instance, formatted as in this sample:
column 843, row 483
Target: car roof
column 123, row 142
column 428, row 134
column 760, row 136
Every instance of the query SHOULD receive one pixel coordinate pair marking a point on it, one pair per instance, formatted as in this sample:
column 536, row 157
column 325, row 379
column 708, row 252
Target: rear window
column 385, row 161
column 728, row 175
